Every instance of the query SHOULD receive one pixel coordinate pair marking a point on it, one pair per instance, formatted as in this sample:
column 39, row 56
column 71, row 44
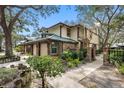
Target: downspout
column 60, row 31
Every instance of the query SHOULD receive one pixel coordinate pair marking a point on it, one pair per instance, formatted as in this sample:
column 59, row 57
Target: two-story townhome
column 61, row 37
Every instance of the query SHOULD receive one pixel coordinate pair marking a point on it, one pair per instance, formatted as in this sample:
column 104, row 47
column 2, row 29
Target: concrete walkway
column 71, row 78
column 104, row 77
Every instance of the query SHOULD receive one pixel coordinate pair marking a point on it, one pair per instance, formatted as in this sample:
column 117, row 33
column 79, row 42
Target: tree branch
column 113, row 14
column 29, row 6
column 11, row 23
column 2, row 18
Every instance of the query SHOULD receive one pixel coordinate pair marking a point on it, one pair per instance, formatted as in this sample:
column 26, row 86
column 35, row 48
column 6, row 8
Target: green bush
column 76, row 62
column 69, row 54
column 65, row 55
column 99, row 51
column 47, row 66
column 82, row 54
column 74, row 58
column 74, row 54
column 72, row 62
column 116, row 57
column 121, row 69
column 18, row 48
column 7, row 75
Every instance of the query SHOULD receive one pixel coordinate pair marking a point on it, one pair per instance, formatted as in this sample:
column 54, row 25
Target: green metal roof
column 63, row 39
column 51, row 37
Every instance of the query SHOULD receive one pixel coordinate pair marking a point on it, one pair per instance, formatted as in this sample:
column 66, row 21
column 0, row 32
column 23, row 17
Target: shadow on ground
column 104, row 77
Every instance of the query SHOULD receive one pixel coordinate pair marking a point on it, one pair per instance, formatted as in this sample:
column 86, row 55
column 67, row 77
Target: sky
column 64, row 14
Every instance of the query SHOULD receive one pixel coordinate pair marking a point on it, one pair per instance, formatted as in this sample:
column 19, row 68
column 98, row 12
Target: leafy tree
column 39, row 32
column 47, row 66
column 36, row 34
column 1, row 42
column 110, row 19
column 16, row 37
column 1, row 39
column 19, row 18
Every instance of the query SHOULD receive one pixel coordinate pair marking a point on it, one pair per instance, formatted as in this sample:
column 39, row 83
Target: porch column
column 94, row 52
column 89, row 52
column 25, row 49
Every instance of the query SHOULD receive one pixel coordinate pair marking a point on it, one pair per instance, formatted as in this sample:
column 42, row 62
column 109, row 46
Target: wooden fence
column 116, row 54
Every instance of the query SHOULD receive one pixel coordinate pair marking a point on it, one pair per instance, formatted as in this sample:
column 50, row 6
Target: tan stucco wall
column 55, row 30
column 64, row 31
column 94, row 39
column 43, row 49
column 81, row 33
column 74, row 33
column 34, row 50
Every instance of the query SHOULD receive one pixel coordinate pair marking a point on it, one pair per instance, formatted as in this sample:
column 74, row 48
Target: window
column 68, row 32
column 54, row 49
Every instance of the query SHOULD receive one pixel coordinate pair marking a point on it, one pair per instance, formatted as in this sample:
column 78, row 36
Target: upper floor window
column 68, row 32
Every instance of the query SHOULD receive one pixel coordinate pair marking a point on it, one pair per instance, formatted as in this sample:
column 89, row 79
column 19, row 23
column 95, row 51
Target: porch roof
column 63, row 39
column 51, row 37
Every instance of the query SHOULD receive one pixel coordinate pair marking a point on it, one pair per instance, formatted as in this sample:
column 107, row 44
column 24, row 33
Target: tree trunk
column 43, row 80
column 0, row 45
column 8, row 44
column 0, row 48
column 106, row 48
column 7, row 32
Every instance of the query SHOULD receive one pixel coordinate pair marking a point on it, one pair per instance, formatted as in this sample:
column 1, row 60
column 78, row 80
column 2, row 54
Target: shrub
column 81, row 57
column 18, row 48
column 69, row 54
column 99, row 51
column 47, row 66
column 121, row 69
column 4, row 72
column 74, row 54
column 65, row 55
column 7, row 75
column 76, row 62
column 116, row 57
column 72, row 62
column 82, row 54
column 73, row 58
